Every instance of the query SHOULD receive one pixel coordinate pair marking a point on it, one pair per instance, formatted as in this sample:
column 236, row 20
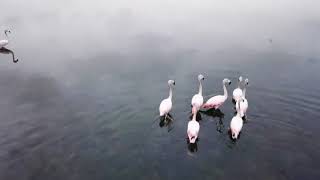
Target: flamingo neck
column 170, row 92
column 225, row 92
column 244, row 91
column 238, row 110
column 194, row 111
column 200, row 88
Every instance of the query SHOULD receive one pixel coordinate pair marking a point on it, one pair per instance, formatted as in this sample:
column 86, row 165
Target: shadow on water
column 192, row 147
column 198, row 117
column 4, row 50
column 216, row 113
column 166, row 122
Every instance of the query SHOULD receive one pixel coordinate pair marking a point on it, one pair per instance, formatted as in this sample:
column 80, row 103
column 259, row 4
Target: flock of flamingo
column 197, row 103
column 5, row 42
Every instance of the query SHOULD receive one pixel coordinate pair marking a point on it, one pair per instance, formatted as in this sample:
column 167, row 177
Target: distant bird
column 270, row 40
column 4, row 50
column 166, row 104
column 236, row 123
column 197, row 99
column 193, row 127
column 216, row 101
column 237, row 93
column 243, row 104
column 5, row 42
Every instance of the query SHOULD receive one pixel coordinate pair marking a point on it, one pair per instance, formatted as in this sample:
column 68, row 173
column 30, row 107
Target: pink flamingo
column 197, row 99
column 193, row 127
column 216, row 101
column 166, row 104
column 236, row 123
column 237, row 93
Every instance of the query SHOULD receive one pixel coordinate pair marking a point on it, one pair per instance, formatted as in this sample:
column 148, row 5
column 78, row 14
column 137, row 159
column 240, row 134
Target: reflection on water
column 166, row 121
column 4, row 50
column 218, row 115
column 193, row 147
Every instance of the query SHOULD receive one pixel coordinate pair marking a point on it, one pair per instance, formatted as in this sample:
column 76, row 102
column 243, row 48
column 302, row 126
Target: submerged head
column 234, row 134
column 246, row 81
column 226, row 81
column 171, row 82
column 200, row 77
column 6, row 32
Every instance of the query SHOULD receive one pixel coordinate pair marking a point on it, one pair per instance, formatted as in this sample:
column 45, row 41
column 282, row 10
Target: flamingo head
column 200, row 77
column 246, row 81
column 6, row 32
column 171, row 82
column 240, row 79
column 226, row 81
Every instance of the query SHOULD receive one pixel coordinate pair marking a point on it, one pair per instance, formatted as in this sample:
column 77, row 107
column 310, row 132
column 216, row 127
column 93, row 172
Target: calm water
column 81, row 101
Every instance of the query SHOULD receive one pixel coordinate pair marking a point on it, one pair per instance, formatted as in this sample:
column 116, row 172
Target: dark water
column 81, row 101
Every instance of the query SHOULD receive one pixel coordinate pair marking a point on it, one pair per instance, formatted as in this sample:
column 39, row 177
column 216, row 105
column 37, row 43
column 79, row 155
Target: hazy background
column 98, row 26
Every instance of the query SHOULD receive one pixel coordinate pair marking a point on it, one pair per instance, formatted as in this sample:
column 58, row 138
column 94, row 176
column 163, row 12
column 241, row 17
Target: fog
column 93, row 27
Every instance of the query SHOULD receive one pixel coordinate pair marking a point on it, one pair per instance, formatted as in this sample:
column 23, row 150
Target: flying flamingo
column 5, row 42
column 243, row 104
column 197, row 99
column 193, row 127
column 216, row 101
column 166, row 104
column 237, row 93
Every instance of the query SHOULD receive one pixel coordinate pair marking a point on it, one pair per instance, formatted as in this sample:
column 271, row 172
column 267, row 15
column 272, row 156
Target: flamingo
column 237, row 93
column 243, row 104
column 236, row 123
column 197, row 99
column 216, row 101
column 5, row 42
column 193, row 127
column 166, row 104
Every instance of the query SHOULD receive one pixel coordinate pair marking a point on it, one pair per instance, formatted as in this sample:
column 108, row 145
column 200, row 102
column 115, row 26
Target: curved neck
column 225, row 92
column 170, row 92
column 13, row 59
column 200, row 88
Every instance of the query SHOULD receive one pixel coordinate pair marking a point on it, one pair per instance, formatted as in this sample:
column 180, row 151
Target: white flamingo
column 237, row 93
column 193, row 127
column 243, row 104
column 166, row 104
column 216, row 101
column 236, row 123
column 197, row 99
column 5, row 42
